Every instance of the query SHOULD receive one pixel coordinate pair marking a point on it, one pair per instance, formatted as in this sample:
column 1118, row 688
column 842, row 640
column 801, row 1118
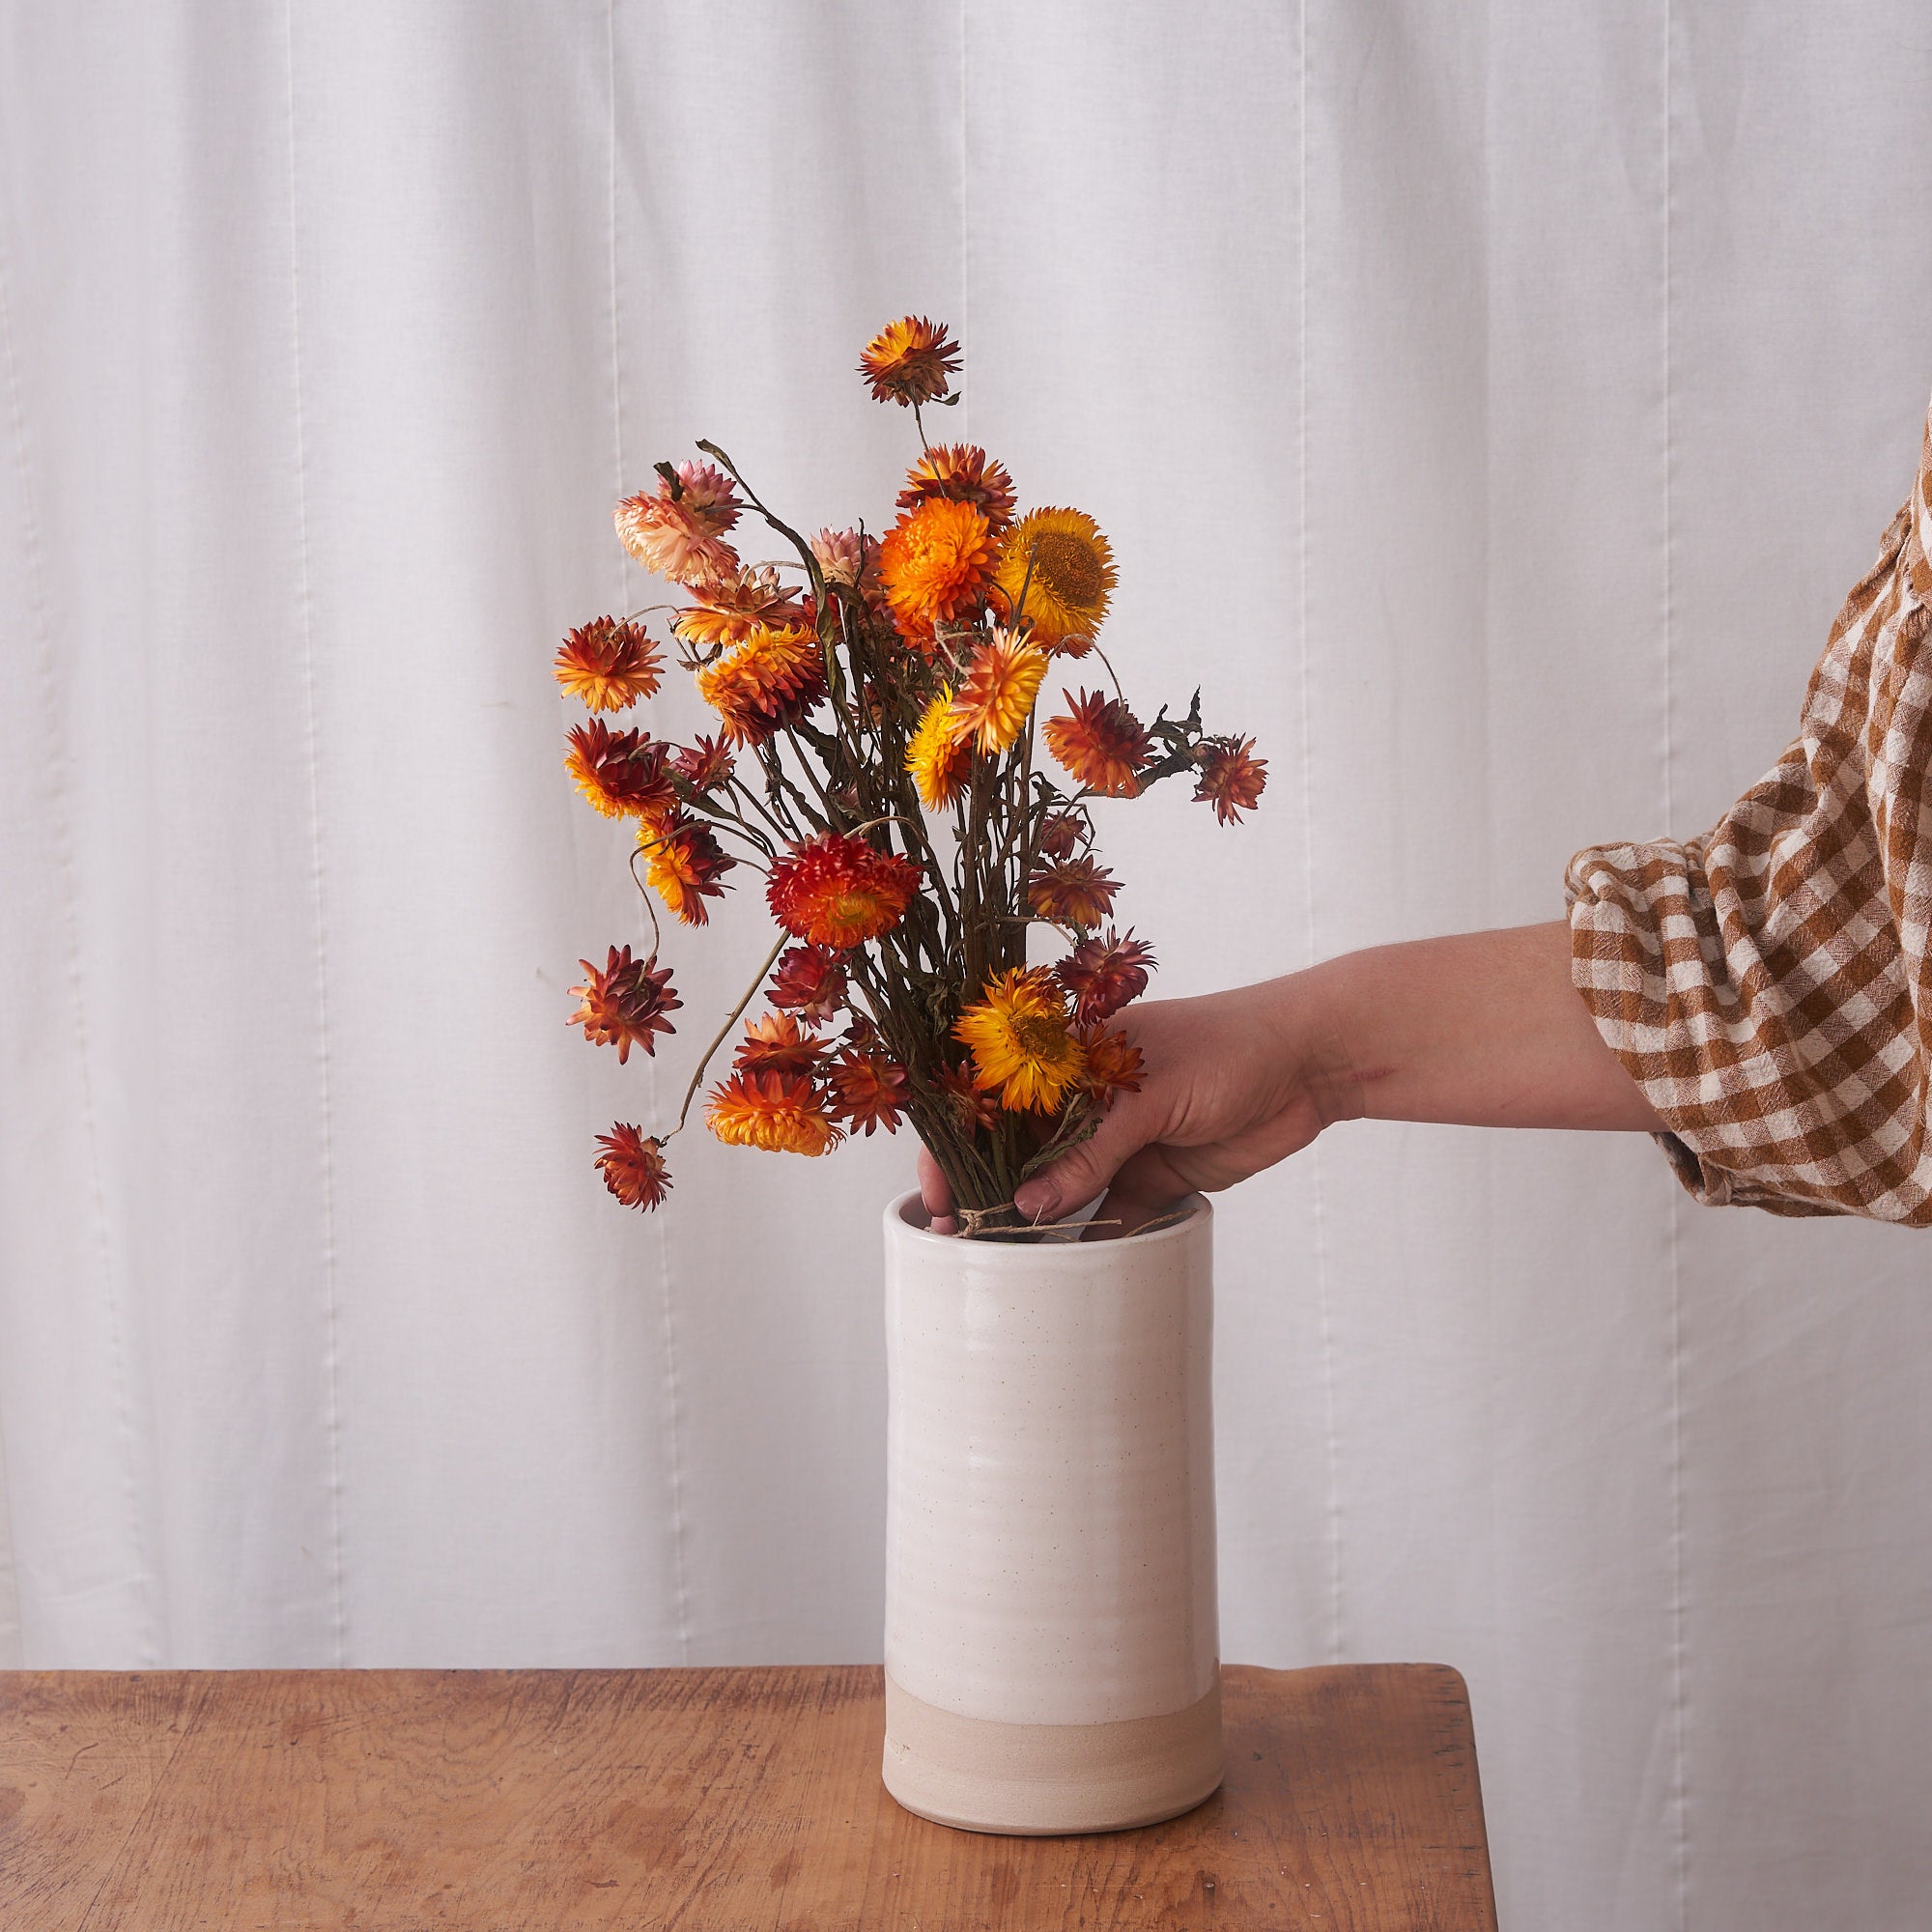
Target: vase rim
column 899, row 1222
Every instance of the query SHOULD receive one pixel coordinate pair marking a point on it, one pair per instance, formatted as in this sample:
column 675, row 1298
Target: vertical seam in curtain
column 965, row 229
column 1679, row 1800
column 1326, row 1322
column 59, row 766
column 11, row 1639
column 306, row 608
column 673, row 1380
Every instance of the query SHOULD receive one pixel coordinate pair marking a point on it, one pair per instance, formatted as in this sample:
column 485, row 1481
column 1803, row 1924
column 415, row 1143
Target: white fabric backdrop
column 1490, row 405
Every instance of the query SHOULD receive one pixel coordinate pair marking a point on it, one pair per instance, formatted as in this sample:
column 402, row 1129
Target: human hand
column 1231, row 1083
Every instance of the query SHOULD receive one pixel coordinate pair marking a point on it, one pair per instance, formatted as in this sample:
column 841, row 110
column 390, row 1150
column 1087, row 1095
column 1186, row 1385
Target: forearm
column 1483, row 1029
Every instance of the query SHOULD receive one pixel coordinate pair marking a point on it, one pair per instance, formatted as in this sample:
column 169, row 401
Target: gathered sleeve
column 1768, row 984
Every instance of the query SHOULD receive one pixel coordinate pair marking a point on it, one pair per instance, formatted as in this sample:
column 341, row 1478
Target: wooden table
column 495, row 1800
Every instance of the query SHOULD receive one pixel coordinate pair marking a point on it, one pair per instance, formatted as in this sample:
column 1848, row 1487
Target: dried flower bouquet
column 875, row 760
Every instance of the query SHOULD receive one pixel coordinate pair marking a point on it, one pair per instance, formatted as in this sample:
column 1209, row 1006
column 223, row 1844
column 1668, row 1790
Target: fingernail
column 1035, row 1199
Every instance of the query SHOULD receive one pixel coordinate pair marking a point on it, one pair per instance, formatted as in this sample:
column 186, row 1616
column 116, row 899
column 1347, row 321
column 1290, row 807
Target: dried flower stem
column 718, row 1038
column 644, row 893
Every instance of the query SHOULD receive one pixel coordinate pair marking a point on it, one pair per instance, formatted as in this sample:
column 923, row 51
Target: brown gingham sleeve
column 1768, row 984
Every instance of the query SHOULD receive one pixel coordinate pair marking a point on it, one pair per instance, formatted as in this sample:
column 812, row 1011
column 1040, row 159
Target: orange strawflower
column 867, row 1091
column 1231, row 778
column 961, row 473
column 1102, row 975
column 997, row 693
column 732, row 608
column 634, row 1166
column 837, row 892
column 1017, row 1035
column 1100, row 743
column 770, row 680
column 935, row 564
column 1066, row 568
column 684, row 863
column 940, row 756
column 1112, row 1064
column 623, row 773
column 1072, row 892
column 811, row 982
column 609, row 665
column 910, row 361
column 782, row 1113
column 776, row 1043
column 678, row 529
column 624, row 1005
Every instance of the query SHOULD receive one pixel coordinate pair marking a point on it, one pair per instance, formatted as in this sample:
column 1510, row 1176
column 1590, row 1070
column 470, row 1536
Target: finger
column 1079, row 1176
column 934, row 1189
column 935, row 1192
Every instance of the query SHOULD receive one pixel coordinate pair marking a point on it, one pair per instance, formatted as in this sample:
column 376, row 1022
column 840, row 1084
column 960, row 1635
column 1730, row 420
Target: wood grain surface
column 744, row 1799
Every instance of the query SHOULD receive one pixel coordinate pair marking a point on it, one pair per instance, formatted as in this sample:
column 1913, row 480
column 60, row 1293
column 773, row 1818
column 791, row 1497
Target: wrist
column 1317, row 1030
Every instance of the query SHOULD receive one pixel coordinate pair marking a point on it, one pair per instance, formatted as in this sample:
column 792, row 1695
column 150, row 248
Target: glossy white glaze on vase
column 1051, row 1630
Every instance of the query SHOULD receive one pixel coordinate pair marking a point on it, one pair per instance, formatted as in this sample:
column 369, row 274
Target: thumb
column 1081, row 1173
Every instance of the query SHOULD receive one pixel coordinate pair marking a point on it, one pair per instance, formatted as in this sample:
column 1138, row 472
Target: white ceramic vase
column 1051, row 1627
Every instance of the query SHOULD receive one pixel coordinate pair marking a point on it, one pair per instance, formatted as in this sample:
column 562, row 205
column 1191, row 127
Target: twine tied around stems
column 985, row 1224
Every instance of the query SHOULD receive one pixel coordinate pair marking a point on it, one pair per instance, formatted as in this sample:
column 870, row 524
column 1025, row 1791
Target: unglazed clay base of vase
column 1040, row 1781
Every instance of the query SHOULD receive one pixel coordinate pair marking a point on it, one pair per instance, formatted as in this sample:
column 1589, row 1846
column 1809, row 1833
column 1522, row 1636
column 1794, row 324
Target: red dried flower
column 624, row 1005
column 684, row 863
column 769, row 679
column 809, row 980
column 609, row 665
column 836, row 891
column 911, row 361
column 1102, row 975
column 623, row 773
column 1101, row 743
column 1073, row 891
column 962, row 472
column 1112, row 1064
column 732, row 608
column 867, row 1091
column 972, row 1106
column 705, row 765
column 1231, row 778
column 1062, row 835
column 776, row 1043
column 634, row 1166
